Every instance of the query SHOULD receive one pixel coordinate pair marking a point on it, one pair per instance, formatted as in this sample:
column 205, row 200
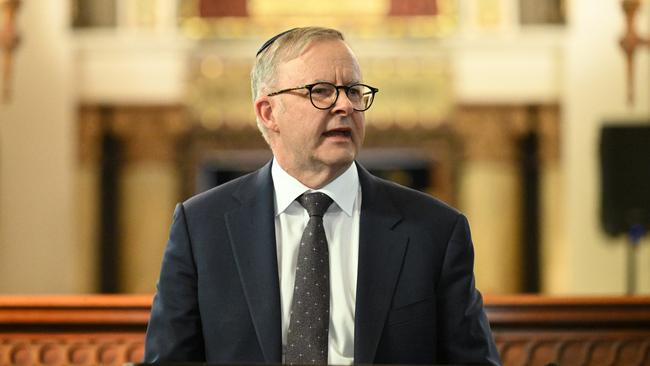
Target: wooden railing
column 72, row 330
column 533, row 330
column 529, row 330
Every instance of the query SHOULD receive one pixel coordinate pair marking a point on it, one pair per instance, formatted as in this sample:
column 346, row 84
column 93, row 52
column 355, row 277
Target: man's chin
column 339, row 160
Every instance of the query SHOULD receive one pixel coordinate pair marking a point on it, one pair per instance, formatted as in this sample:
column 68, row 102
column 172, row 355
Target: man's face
column 306, row 138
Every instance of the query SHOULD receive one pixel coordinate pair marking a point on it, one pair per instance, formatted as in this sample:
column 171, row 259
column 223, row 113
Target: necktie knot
column 315, row 203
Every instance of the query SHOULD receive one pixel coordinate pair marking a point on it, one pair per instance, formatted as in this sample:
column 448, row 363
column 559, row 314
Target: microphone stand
column 635, row 233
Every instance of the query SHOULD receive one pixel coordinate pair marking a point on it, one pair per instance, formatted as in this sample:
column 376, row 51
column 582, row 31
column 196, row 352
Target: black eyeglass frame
column 346, row 88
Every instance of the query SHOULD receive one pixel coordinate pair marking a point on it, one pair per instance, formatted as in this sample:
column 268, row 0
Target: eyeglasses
column 324, row 95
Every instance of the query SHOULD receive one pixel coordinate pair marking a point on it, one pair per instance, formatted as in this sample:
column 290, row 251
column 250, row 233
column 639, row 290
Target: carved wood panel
column 538, row 330
column 588, row 348
column 72, row 330
column 70, row 349
column 529, row 330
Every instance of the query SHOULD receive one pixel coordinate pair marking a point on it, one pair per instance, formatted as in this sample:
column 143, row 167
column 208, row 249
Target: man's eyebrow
column 331, row 82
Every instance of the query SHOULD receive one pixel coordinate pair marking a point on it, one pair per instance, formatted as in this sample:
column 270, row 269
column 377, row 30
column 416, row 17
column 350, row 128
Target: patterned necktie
column 309, row 321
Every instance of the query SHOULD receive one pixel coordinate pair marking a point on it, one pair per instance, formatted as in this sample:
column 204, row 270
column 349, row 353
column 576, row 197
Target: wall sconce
column 8, row 43
column 630, row 42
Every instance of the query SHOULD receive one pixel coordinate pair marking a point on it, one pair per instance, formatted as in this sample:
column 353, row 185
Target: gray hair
column 286, row 47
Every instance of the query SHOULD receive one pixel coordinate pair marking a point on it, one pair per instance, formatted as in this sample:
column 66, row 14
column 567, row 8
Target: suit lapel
column 381, row 254
column 251, row 229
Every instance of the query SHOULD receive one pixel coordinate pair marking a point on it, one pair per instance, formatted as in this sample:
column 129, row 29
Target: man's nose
column 343, row 104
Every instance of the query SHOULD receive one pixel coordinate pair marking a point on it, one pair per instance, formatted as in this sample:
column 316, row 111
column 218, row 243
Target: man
column 256, row 272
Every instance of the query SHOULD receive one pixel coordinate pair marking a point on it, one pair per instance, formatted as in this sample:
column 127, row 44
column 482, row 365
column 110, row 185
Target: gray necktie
column 309, row 321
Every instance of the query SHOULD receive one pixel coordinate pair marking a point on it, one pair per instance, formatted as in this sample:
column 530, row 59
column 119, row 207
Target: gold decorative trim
column 491, row 132
column 148, row 132
column 9, row 40
column 414, row 91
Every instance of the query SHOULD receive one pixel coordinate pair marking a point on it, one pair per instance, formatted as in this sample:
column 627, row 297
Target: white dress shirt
column 341, row 223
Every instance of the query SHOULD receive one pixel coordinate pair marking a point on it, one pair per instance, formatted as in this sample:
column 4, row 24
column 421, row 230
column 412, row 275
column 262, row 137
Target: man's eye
column 354, row 92
column 321, row 91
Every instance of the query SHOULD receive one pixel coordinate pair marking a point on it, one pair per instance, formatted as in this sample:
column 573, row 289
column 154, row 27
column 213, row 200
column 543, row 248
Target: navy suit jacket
column 218, row 297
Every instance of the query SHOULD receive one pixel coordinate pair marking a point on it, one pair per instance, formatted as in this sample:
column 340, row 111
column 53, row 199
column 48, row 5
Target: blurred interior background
column 115, row 110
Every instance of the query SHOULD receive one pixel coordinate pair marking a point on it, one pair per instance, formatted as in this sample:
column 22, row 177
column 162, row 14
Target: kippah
column 270, row 41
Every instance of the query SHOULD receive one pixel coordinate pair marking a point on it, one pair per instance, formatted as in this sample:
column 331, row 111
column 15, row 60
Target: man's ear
column 264, row 112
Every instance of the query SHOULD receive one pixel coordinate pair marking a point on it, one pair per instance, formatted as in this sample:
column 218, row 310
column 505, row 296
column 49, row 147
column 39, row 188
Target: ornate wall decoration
column 413, row 75
column 415, row 89
column 364, row 18
column 536, row 12
column 219, row 92
column 630, row 42
column 8, row 43
column 491, row 132
column 148, row 133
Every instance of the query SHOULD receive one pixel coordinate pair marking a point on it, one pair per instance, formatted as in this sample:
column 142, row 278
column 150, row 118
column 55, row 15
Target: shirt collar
column 343, row 190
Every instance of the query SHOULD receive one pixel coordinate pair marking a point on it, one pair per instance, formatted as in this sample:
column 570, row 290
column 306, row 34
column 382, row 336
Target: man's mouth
column 338, row 132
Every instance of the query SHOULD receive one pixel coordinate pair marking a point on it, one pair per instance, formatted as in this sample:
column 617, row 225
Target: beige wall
column 149, row 190
column 38, row 248
column 489, row 196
